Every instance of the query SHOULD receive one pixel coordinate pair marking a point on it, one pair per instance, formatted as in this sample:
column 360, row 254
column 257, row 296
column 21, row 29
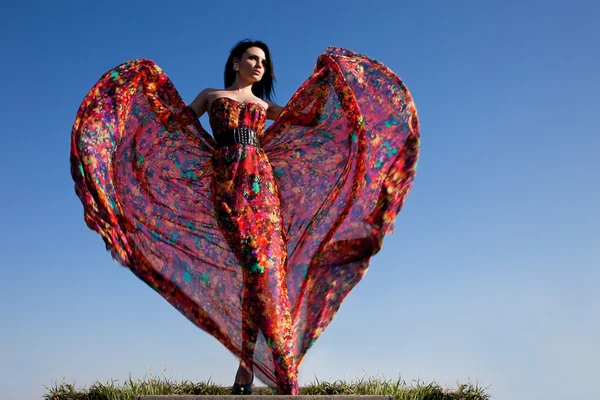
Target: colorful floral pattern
column 253, row 245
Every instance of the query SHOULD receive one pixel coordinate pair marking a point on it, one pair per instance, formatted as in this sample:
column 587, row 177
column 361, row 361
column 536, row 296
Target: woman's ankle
column 243, row 376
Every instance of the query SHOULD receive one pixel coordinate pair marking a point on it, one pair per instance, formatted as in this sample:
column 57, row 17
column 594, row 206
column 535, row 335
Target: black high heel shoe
column 242, row 389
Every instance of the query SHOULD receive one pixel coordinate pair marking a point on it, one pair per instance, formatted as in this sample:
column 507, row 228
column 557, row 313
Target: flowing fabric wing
column 142, row 169
column 344, row 152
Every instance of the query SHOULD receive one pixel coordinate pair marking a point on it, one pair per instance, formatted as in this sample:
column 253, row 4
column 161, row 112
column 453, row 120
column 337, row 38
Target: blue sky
column 493, row 271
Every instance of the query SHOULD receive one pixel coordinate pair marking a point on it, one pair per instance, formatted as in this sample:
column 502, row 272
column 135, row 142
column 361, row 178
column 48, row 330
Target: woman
column 257, row 235
column 251, row 223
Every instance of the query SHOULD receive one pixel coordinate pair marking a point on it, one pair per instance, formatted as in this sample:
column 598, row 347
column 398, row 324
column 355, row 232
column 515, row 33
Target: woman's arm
column 198, row 106
column 273, row 111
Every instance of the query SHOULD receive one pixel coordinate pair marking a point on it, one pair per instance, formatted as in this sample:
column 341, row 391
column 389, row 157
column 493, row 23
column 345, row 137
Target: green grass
column 162, row 386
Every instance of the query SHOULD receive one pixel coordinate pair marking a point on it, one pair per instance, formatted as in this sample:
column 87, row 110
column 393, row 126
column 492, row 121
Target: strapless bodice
column 226, row 114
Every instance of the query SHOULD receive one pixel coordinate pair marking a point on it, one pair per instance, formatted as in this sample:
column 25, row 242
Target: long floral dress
column 258, row 246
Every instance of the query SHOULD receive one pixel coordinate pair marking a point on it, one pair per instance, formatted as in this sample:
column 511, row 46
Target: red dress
column 252, row 244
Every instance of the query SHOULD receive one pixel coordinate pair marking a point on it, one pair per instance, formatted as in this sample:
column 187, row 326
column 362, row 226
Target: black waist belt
column 242, row 135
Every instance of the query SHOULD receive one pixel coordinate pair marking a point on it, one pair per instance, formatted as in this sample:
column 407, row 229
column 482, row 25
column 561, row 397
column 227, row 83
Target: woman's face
column 253, row 64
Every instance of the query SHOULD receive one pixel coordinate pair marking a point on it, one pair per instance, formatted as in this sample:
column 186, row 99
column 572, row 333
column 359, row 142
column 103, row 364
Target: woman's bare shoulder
column 210, row 92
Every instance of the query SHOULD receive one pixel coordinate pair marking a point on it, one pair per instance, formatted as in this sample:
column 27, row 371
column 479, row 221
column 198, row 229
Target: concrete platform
column 262, row 397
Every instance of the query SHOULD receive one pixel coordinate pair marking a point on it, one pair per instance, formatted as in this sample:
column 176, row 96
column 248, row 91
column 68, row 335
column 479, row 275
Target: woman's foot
column 243, row 381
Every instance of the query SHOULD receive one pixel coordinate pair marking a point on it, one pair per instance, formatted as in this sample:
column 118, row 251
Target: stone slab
column 264, row 397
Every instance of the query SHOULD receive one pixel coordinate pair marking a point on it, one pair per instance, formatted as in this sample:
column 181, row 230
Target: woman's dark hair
column 262, row 89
